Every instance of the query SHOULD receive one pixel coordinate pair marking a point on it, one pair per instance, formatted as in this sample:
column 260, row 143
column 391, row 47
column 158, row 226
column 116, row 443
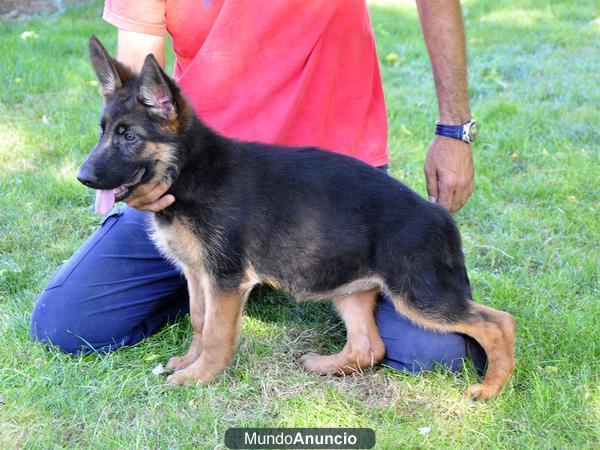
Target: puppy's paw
column 481, row 392
column 315, row 363
column 196, row 373
column 179, row 363
column 180, row 378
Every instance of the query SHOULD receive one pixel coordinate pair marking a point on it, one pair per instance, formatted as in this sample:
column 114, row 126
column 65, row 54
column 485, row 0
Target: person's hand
column 150, row 197
column 449, row 172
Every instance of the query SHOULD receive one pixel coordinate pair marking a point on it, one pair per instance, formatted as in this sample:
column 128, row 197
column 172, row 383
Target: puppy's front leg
column 219, row 338
column 196, row 289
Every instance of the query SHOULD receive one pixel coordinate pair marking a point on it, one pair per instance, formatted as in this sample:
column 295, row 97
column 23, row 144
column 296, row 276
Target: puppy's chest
column 178, row 243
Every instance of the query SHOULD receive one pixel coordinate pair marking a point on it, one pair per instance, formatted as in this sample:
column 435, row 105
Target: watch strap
column 451, row 131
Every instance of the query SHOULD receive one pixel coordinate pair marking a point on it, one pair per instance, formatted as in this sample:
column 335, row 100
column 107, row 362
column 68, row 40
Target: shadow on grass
column 278, row 308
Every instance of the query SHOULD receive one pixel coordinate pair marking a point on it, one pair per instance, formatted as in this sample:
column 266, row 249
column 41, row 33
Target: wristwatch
column 466, row 132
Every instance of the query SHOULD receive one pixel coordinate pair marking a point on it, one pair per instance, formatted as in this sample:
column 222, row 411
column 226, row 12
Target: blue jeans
column 117, row 289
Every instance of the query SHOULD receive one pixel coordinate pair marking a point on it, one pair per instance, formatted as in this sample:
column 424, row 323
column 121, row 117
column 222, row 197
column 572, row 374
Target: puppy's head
column 140, row 127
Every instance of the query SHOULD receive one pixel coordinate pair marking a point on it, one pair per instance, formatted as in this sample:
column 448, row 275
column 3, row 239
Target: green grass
column 531, row 237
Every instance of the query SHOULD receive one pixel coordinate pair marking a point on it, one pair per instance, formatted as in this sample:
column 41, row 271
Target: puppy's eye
column 129, row 136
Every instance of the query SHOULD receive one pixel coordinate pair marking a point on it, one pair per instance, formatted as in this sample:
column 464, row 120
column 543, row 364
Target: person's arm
column 132, row 49
column 449, row 169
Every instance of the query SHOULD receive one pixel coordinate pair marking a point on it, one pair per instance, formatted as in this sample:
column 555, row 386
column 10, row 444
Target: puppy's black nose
column 87, row 177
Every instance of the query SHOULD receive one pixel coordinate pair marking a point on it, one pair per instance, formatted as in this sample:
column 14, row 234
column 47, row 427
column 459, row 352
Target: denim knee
column 51, row 322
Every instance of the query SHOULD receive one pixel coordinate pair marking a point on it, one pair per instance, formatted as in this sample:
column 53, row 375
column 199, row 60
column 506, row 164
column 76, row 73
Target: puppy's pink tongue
column 105, row 200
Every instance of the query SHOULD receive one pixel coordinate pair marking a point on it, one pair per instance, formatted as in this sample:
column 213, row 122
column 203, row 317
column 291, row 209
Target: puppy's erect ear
column 105, row 67
column 156, row 92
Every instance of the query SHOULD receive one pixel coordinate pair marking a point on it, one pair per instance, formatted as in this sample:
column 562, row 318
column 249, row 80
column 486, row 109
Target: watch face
column 473, row 131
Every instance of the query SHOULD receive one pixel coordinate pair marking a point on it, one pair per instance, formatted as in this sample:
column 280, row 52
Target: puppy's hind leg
column 496, row 333
column 364, row 346
column 494, row 330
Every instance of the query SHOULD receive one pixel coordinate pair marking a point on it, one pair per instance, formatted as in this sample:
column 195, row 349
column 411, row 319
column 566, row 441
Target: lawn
column 531, row 236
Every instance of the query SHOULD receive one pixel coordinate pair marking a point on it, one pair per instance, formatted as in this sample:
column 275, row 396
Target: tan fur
column 215, row 315
column 250, row 280
column 497, row 336
column 182, row 116
column 197, row 288
column 179, row 244
column 219, row 338
column 361, row 284
column 401, row 305
column 494, row 330
column 364, row 347
column 273, row 282
column 164, row 156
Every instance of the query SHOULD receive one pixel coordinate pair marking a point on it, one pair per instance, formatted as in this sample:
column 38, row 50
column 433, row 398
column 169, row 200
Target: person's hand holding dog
column 150, row 197
column 449, row 172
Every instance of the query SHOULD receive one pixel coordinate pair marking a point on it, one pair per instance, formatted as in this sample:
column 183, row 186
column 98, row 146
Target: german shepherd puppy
column 313, row 223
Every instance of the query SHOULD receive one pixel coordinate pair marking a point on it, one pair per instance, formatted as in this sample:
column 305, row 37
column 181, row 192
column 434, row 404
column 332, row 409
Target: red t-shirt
column 291, row 72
